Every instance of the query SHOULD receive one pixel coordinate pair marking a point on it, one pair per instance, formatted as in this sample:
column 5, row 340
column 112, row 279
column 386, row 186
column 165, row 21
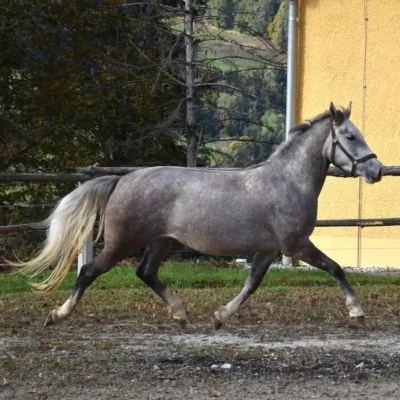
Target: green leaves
column 80, row 82
column 73, row 81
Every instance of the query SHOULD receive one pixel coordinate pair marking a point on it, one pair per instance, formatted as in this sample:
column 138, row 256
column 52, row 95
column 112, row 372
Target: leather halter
column 354, row 161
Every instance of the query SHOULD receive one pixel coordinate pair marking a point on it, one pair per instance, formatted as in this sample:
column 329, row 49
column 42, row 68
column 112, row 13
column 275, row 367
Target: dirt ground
column 86, row 359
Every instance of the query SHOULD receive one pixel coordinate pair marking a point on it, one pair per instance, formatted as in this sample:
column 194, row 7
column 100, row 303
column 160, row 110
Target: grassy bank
column 286, row 297
column 204, row 275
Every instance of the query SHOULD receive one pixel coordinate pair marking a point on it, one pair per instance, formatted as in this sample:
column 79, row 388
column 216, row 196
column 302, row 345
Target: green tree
column 220, row 13
column 83, row 82
column 277, row 29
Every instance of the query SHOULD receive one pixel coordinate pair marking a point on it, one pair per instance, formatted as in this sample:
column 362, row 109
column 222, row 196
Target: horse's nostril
column 379, row 175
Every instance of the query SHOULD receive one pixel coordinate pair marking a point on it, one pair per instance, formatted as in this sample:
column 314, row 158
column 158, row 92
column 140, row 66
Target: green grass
column 204, row 275
column 286, row 297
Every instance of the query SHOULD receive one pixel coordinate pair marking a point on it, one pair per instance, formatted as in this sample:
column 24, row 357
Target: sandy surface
column 92, row 360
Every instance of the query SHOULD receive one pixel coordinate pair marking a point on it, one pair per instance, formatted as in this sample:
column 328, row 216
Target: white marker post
column 86, row 256
column 87, row 253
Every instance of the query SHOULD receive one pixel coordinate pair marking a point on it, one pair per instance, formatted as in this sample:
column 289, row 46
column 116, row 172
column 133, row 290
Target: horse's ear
column 332, row 110
column 348, row 111
column 336, row 115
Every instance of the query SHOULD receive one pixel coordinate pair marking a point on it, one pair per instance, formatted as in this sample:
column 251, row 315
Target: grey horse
column 266, row 208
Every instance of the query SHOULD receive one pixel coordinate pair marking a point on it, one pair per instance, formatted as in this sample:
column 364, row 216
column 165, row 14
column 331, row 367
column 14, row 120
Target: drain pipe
column 291, row 66
column 291, row 79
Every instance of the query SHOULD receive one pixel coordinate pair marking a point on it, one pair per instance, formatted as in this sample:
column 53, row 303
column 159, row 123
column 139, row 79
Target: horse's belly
column 219, row 244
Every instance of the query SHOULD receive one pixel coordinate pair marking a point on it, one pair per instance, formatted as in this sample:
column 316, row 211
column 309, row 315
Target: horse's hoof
column 357, row 320
column 182, row 324
column 217, row 323
column 181, row 318
column 49, row 320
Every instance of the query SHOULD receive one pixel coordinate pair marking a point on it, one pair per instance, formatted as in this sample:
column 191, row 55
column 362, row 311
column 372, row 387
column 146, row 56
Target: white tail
column 69, row 226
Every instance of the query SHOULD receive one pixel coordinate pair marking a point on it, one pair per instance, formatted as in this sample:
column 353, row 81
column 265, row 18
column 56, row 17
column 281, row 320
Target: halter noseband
column 355, row 162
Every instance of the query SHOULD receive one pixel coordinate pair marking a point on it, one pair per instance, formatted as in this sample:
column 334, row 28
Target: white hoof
column 357, row 320
column 181, row 321
column 51, row 318
column 217, row 319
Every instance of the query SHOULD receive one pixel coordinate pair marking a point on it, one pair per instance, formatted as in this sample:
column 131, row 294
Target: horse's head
column 347, row 149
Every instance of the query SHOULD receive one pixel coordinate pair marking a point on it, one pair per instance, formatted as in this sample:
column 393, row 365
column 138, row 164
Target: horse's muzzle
column 369, row 178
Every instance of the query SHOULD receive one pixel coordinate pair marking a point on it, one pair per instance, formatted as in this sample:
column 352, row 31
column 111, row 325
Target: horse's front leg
column 258, row 270
column 315, row 257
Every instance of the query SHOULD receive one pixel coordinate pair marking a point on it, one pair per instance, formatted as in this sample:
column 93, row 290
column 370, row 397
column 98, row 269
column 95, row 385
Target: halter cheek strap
column 354, row 161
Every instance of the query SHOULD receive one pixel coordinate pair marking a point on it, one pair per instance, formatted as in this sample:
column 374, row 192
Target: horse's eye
column 351, row 137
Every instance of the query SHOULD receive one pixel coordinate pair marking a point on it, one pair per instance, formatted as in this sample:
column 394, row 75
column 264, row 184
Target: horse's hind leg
column 258, row 270
column 89, row 272
column 147, row 272
column 315, row 257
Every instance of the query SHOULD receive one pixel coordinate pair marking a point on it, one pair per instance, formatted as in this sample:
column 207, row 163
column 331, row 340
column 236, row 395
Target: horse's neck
column 305, row 163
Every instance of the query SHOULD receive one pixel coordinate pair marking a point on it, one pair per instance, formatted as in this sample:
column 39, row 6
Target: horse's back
column 210, row 211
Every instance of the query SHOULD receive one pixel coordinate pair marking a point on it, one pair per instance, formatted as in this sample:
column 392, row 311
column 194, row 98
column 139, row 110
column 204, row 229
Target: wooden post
column 6, row 177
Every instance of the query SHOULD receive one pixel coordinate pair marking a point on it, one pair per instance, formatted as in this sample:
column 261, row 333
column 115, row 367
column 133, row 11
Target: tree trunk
column 192, row 139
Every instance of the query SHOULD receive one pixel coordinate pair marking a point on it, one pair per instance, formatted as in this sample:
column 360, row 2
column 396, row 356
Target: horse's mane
column 304, row 126
column 299, row 128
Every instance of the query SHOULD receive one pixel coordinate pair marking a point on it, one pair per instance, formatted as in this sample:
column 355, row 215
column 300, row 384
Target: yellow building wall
column 331, row 64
